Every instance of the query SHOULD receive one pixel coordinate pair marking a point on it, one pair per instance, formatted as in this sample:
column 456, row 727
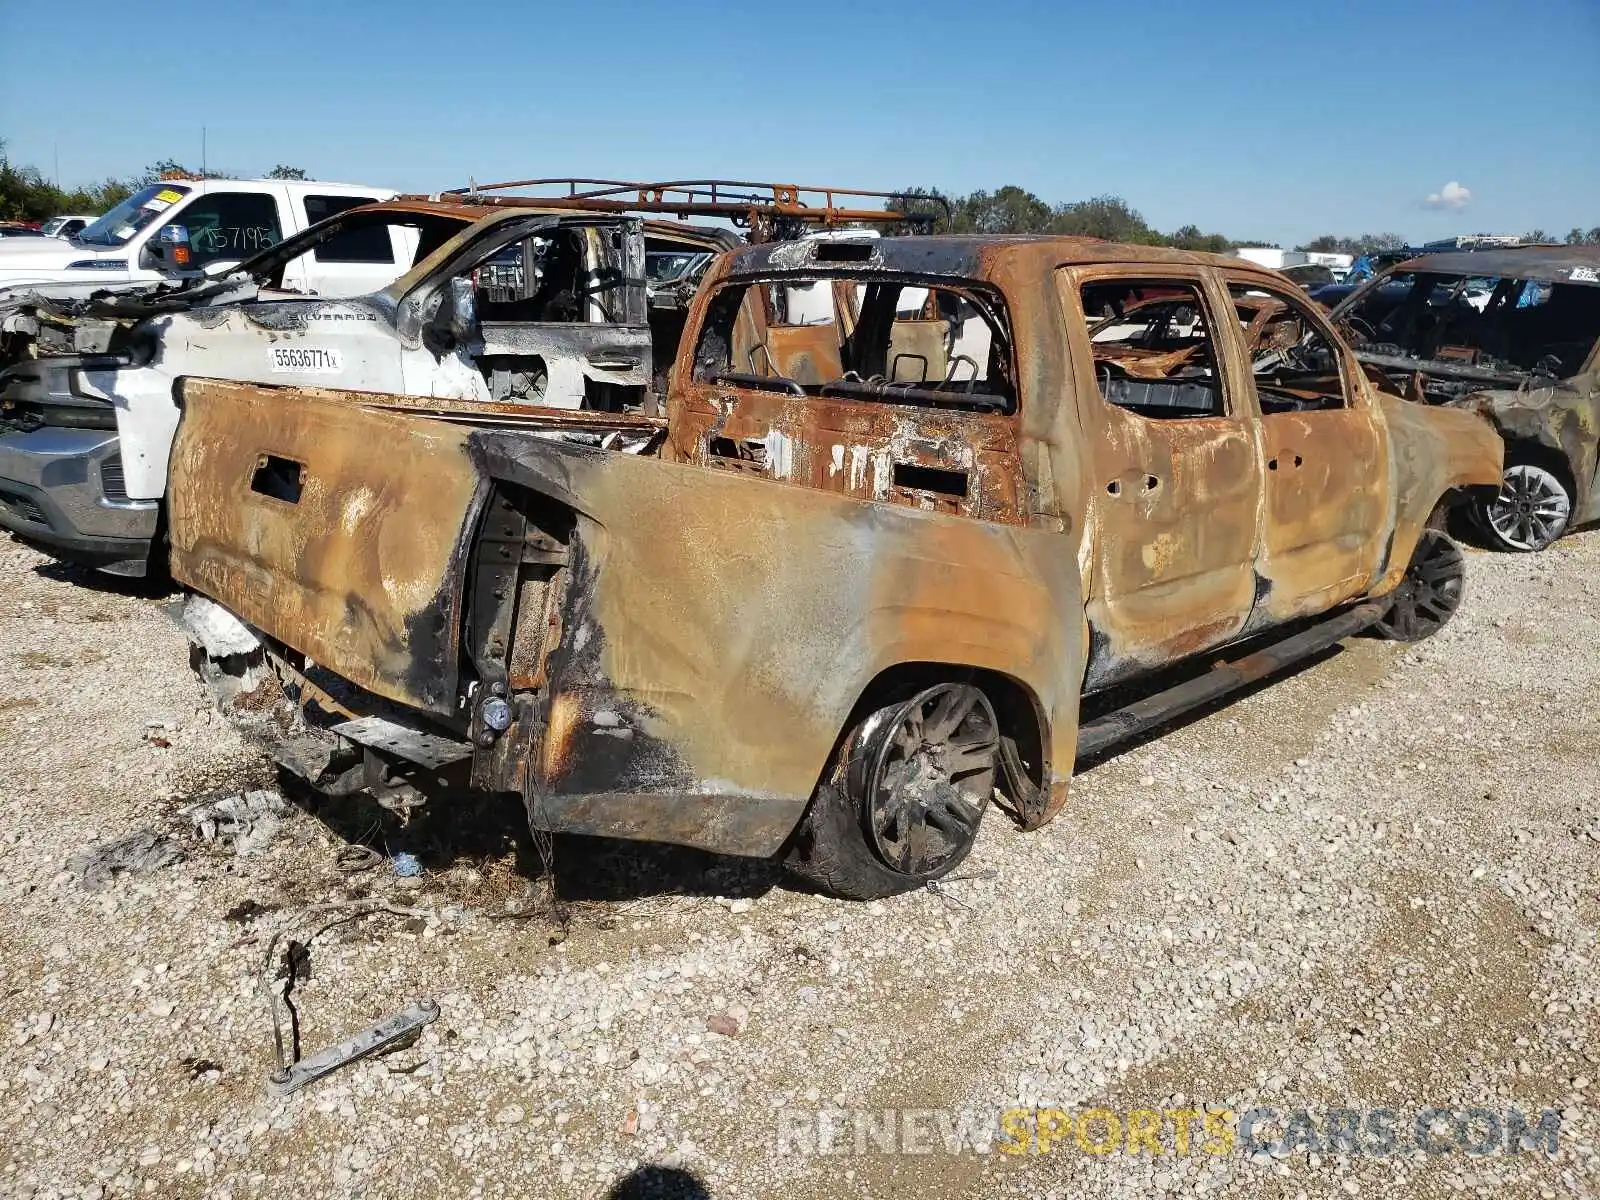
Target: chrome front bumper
column 61, row 490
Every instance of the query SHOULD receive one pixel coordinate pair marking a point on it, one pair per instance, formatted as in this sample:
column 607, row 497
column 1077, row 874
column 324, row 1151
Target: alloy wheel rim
column 932, row 777
column 1432, row 589
column 1532, row 508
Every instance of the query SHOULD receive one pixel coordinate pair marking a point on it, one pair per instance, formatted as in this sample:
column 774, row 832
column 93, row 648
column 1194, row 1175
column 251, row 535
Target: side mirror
column 459, row 309
column 170, row 250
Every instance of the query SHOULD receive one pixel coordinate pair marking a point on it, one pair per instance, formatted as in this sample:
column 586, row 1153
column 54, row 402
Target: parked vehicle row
column 563, row 312
column 224, row 222
column 820, row 546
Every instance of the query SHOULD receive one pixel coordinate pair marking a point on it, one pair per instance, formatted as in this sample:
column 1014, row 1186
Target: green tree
column 1108, row 217
column 1009, row 209
column 282, row 172
column 1189, row 237
column 915, row 199
column 1366, row 242
column 26, row 195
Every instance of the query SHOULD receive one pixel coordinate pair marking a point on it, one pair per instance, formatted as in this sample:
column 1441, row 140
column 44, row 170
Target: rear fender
column 718, row 630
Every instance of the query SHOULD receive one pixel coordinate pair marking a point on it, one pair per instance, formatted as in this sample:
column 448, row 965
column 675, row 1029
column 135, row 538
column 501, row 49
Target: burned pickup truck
column 1513, row 334
column 904, row 512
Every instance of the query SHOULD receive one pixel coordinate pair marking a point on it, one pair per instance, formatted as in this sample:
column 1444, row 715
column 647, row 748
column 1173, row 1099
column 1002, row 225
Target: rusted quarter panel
column 361, row 571
column 720, row 628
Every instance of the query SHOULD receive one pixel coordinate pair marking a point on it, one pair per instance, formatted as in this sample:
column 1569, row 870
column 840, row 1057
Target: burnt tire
column 1532, row 509
column 903, row 799
column 1430, row 592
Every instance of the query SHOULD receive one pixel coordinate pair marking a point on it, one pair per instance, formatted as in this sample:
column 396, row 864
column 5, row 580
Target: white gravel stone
column 1331, row 891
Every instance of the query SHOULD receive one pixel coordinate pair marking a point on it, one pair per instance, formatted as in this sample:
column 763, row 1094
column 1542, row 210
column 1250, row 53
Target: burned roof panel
column 1547, row 264
column 964, row 255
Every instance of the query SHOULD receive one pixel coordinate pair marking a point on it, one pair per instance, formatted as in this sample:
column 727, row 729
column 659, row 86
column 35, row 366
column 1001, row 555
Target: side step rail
column 1123, row 723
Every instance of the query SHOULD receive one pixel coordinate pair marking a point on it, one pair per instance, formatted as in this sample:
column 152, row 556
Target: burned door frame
column 1174, row 504
column 1325, row 496
column 618, row 350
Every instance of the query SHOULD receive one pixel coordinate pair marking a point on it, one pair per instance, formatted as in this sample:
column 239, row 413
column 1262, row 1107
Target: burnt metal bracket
column 497, row 562
column 369, row 1041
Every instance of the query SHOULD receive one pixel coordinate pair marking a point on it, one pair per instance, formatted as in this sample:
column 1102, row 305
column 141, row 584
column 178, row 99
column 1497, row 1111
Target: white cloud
column 1452, row 196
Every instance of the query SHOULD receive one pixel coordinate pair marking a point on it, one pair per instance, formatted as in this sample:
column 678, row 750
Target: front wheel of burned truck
column 1430, row 592
column 901, row 803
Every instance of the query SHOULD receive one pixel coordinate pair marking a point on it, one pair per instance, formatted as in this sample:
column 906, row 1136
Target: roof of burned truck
column 961, row 255
column 1546, row 264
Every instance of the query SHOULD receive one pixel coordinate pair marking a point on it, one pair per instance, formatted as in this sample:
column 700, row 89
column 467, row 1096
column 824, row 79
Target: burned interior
column 1441, row 334
column 533, row 298
column 902, row 339
column 1154, row 354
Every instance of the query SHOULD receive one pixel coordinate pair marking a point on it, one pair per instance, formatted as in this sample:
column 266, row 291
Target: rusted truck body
column 903, row 512
column 1514, row 335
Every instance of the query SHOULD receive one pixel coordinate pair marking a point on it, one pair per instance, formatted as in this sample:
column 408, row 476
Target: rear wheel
column 1430, row 592
column 1532, row 509
column 904, row 799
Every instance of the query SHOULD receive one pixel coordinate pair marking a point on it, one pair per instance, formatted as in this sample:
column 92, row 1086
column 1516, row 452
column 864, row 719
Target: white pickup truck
column 226, row 220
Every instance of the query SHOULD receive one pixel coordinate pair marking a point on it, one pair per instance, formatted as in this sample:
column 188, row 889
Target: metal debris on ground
column 352, row 860
column 385, row 1034
column 277, row 980
column 134, row 853
column 941, row 887
column 250, row 819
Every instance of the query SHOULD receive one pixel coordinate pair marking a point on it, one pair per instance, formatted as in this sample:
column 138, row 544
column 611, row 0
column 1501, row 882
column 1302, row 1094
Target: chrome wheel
column 1531, row 511
column 930, row 777
column 1430, row 592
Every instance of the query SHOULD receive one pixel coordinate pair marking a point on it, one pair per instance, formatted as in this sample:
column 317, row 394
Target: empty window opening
column 1450, row 334
column 1295, row 365
column 1153, row 349
column 864, row 337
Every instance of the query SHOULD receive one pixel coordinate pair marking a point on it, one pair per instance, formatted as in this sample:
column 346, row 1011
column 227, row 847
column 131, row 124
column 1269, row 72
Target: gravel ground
column 1372, row 884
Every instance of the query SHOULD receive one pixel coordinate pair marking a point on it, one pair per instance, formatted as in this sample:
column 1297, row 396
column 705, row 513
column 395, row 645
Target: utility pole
column 202, row 152
column 55, row 152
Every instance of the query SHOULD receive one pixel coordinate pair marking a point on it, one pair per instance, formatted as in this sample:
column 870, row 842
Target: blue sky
column 1276, row 120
